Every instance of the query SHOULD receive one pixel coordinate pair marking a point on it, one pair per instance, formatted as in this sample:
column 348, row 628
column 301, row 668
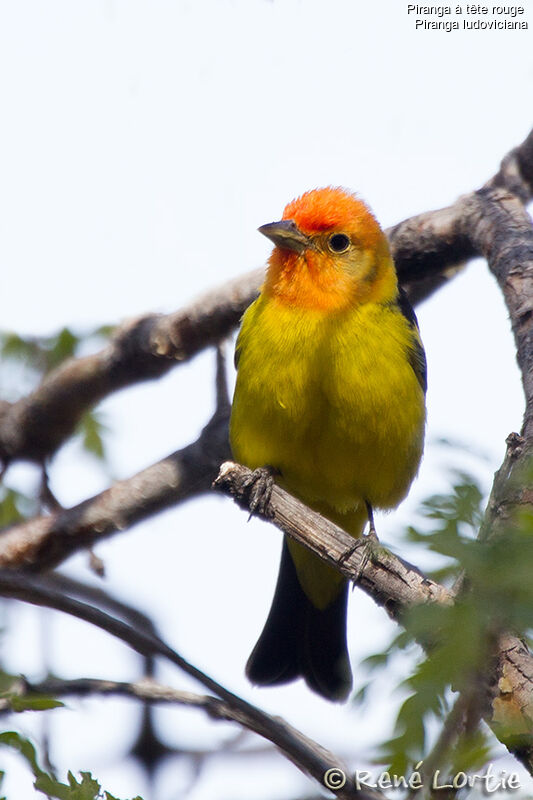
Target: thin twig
column 146, row 689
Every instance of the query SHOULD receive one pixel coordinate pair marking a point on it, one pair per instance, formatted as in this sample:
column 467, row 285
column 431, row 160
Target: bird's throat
column 316, row 282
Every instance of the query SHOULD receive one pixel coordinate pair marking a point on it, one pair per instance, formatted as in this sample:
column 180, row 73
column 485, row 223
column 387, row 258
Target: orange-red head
column 330, row 253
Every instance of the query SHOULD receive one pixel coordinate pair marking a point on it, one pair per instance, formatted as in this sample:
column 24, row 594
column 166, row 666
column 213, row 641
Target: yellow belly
column 332, row 401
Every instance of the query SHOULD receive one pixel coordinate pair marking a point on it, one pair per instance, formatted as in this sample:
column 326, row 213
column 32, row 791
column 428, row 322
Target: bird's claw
column 357, row 543
column 258, row 490
column 365, row 541
column 366, row 544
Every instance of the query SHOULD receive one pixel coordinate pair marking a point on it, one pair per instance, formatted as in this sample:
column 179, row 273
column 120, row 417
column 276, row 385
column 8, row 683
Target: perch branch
column 391, row 582
column 396, row 586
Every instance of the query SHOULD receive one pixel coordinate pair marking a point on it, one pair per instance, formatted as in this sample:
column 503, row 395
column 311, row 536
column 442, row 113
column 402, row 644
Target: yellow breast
column 331, row 400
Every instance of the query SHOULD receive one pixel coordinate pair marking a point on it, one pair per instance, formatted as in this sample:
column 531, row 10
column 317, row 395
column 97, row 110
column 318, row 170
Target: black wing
column 417, row 356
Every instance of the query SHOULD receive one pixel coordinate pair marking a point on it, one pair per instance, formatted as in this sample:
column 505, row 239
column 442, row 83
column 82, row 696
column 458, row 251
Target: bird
column 330, row 398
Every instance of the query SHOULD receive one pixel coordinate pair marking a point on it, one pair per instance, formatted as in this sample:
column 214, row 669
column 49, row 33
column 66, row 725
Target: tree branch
column 146, row 689
column 397, row 586
column 516, row 171
column 391, row 582
column 429, row 249
column 45, row 541
column 501, row 230
column 307, row 755
column 34, row 427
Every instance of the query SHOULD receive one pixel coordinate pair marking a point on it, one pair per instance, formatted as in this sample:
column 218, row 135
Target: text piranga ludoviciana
column 330, row 392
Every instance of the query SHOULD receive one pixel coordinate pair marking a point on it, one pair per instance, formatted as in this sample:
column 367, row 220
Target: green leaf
column 86, row 789
column 36, row 702
column 104, row 331
column 15, row 505
column 376, row 660
column 471, row 753
column 7, row 681
column 92, row 430
column 16, row 347
column 51, row 787
column 359, row 698
column 112, row 797
column 9, row 512
column 24, row 747
column 60, row 347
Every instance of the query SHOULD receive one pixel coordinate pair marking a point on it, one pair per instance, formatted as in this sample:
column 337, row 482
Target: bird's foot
column 364, row 543
column 367, row 545
column 357, row 543
column 258, row 490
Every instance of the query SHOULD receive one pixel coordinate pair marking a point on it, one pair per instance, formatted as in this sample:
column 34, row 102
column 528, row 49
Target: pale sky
column 141, row 145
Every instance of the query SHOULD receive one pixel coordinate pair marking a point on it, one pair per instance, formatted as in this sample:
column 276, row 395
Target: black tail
column 301, row 640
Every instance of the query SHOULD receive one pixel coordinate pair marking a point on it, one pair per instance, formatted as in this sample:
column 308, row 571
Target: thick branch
column 308, row 756
column 429, row 249
column 501, row 230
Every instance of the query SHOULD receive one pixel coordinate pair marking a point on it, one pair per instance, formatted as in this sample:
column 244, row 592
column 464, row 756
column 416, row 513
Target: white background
column 141, row 145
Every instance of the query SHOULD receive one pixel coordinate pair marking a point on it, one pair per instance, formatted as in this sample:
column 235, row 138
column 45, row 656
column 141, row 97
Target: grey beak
column 285, row 234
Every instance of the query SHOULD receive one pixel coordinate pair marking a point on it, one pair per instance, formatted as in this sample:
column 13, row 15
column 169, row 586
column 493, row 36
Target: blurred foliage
column 39, row 353
column 18, row 701
column 92, row 431
column 24, row 361
column 35, row 356
column 15, row 506
column 86, row 789
column 458, row 640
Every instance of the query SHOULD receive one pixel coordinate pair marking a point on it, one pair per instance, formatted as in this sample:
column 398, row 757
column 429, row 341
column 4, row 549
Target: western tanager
column 330, row 392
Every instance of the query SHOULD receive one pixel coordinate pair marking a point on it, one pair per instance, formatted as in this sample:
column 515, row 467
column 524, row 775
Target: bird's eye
column 338, row 242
